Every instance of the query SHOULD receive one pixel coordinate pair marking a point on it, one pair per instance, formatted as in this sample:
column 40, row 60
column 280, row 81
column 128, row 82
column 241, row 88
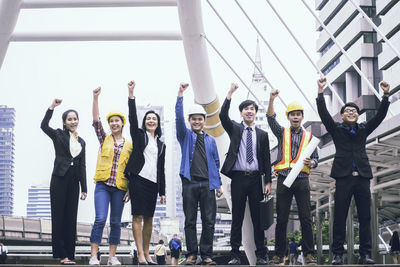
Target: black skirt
column 143, row 195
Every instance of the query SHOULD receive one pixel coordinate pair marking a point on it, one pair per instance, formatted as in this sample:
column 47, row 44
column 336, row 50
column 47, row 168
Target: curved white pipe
column 191, row 22
column 95, row 3
column 9, row 11
column 94, row 36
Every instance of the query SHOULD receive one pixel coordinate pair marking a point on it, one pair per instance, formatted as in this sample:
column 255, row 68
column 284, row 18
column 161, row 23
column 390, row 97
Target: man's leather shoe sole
column 234, row 261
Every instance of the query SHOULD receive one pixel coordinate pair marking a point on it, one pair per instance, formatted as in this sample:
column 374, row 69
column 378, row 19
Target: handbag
column 267, row 212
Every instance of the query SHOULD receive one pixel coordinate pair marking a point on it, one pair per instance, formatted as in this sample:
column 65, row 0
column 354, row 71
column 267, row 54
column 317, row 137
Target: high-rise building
column 366, row 48
column 7, row 123
column 359, row 40
column 388, row 62
column 38, row 202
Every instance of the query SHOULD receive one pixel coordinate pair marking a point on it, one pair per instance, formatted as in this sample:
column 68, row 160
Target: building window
column 369, row 37
column 326, row 49
column 330, row 67
column 369, row 10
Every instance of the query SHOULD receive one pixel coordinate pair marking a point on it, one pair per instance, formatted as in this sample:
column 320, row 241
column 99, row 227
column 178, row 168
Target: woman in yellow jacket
column 111, row 183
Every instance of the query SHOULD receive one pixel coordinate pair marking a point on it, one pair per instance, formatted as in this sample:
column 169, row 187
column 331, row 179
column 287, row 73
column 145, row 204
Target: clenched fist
column 97, row 91
column 385, row 87
column 321, row 84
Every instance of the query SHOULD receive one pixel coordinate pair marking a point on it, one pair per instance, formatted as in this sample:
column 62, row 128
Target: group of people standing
column 248, row 165
column 122, row 174
column 135, row 170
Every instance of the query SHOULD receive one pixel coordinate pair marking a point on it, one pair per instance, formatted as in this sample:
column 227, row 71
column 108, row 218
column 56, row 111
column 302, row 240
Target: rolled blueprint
column 299, row 164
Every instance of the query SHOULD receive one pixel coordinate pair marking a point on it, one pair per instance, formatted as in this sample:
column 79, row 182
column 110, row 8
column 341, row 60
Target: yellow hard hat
column 293, row 106
column 116, row 113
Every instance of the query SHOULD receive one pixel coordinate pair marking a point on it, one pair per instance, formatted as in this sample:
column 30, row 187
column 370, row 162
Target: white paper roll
column 299, row 164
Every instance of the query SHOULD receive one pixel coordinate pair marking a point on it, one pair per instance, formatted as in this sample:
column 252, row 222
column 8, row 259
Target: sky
column 34, row 73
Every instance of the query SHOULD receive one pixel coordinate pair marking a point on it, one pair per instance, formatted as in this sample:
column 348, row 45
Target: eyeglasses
column 348, row 110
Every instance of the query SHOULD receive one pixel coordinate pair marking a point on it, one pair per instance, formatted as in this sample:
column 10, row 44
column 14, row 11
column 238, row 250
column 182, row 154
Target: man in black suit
column 247, row 161
column 351, row 169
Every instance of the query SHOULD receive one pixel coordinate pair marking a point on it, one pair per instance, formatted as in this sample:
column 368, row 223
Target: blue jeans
column 105, row 196
column 195, row 193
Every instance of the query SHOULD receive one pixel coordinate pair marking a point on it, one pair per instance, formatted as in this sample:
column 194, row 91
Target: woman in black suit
column 69, row 171
column 146, row 174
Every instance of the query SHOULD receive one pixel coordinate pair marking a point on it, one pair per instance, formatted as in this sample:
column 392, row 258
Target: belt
column 355, row 173
column 248, row 173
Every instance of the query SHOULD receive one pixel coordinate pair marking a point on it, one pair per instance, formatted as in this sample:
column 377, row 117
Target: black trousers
column 197, row 193
column 245, row 187
column 347, row 187
column 64, row 197
column 300, row 189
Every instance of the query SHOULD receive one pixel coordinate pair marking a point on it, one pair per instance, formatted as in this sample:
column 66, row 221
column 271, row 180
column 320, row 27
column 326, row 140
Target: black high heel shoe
column 151, row 263
column 143, row 263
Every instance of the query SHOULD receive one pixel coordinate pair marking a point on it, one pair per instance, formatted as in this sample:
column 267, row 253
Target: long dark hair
column 157, row 132
column 65, row 114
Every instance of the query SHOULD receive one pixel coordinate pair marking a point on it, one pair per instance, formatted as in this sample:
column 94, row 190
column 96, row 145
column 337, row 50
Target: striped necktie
column 249, row 146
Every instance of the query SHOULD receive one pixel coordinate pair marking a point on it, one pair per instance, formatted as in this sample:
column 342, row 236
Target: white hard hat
column 197, row 109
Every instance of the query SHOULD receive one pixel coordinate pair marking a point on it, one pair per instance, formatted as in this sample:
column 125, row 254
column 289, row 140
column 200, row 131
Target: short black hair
column 161, row 241
column 157, row 132
column 350, row 104
column 247, row 103
column 65, row 114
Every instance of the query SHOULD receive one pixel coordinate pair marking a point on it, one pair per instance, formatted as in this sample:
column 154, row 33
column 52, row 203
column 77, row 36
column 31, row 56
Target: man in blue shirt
column 200, row 176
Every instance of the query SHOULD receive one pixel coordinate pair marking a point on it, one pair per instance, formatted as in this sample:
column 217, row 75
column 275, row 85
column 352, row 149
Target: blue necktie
column 249, row 146
column 353, row 132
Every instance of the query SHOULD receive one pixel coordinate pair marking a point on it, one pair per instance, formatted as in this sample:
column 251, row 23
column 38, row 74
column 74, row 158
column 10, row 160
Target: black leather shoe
column 234, row 261
column 365, row 259
column 143, row 263
column 337, row 260
column 151, row 263
column 261, row 261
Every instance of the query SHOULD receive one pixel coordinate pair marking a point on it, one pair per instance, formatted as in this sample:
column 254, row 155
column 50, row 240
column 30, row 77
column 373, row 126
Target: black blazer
column 350, row 147
column 139, row 142
column 63, row 159
column 235, row 132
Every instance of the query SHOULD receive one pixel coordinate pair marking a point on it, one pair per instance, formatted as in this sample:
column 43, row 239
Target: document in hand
column 299, row 164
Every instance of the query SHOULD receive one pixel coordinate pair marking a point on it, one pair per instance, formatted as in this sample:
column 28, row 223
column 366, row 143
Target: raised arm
column 224, row 114
column 98, row 127
column 45, row 122
column 276, row 128
column 133, row 121
column 373, row 123
column 180, row 119
column 321, row 105
column 95, row 108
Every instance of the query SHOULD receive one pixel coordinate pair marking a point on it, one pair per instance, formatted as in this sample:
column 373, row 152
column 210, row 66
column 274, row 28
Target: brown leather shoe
column 191, row 260
column 208, row 261
column 310, row 260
